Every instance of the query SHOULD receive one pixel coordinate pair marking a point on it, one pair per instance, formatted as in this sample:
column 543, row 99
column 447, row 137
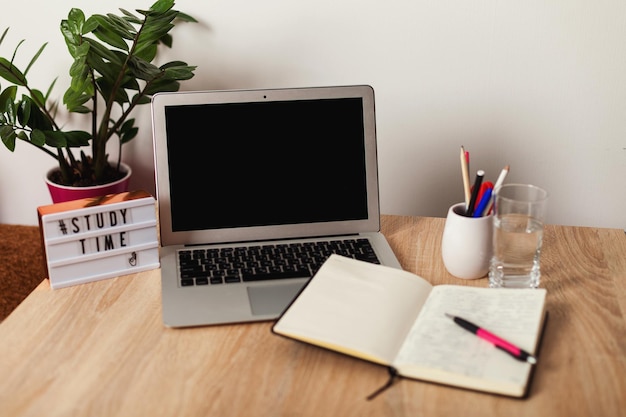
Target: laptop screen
column 267, row 163
column 262, row 164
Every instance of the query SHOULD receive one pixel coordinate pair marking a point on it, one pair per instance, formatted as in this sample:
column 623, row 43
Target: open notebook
column 259, row 168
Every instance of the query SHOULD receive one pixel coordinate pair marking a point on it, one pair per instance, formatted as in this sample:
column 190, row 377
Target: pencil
column 465, row 173
column 499, row 182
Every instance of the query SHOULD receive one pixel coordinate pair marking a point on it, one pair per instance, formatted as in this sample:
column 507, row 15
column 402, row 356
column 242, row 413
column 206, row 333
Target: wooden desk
column 100, row 349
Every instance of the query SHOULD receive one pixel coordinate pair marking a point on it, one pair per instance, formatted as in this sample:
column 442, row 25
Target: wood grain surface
column 100, row 349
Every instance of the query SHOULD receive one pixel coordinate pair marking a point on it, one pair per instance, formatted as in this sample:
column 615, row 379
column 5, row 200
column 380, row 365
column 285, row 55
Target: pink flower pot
column 62, row 193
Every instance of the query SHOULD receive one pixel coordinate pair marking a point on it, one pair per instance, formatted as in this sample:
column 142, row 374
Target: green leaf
column 141, row 100
column 90, row 25
column 162, row 86
column 79, row 69
column 162, row 6
column 8, row 135
column 143, row 70
column 37, row 137
column 45, row 98
column 38, row 98
column 156, row 26
column 130, row 135
column 36, row 117
column 130, row 83
column 26, row 105
column 107, row 34
column 74, row 101
column 3, row 35
column 122, row 26
column 76, row 138
column 128, row 131
column 76, row 20
column 32, row 61
column 83, row 50
column 71, row 41
column 79, row 92
column 178, row 71
column 131, row 17
column 106, row 88
column 167, row 40
column 98, row 50
column 10, row 73
column 128, row 124
column 55, row 139
column 7, row 97
column 109, row 70
column 186, row 18
column 10, row 111
column 147, row 52
column 72, row 29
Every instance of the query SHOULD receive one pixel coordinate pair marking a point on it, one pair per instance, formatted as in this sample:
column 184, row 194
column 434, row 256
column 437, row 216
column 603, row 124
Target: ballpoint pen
column 480, row 174
column 500, row 343
column 482, row 205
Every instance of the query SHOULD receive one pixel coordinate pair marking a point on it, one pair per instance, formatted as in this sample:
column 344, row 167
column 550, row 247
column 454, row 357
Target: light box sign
column 97, row 238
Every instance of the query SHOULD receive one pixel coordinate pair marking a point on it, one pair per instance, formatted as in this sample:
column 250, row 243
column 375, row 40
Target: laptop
column 261, row 170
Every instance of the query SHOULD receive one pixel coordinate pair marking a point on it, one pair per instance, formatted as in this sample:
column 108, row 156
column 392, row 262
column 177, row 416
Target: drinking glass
column 517, row 236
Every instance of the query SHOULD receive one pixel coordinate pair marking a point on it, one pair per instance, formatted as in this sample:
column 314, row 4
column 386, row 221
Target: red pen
column 500, row 343
column 481, row 191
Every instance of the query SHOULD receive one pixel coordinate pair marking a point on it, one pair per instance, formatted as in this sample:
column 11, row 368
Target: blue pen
column 484, row 201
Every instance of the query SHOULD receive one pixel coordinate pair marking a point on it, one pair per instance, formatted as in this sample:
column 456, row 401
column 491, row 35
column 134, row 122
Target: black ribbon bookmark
column 393, row 377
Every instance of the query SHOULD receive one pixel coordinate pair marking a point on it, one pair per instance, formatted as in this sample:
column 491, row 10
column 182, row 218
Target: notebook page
column 438, row 349
column 357, row 308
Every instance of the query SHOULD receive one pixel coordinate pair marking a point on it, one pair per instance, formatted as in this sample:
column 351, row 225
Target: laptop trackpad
column 272, row 299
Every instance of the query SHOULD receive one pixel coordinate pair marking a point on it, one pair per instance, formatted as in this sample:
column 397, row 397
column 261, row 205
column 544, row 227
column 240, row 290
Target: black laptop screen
column 266, row 163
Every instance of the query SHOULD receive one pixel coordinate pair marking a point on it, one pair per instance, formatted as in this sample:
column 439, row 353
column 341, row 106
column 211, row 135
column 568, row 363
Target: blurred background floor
column 22, row 265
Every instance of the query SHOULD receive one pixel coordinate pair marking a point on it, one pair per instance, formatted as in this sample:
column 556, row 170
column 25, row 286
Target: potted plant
column 112, row 73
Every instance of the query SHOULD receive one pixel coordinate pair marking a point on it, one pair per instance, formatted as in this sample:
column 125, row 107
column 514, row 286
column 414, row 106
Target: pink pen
column 500, row 343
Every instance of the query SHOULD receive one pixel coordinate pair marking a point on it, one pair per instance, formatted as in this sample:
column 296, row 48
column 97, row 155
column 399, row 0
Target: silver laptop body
column 255, row 167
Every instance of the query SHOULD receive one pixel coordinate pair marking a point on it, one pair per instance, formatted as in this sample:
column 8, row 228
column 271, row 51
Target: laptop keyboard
column 213, row 266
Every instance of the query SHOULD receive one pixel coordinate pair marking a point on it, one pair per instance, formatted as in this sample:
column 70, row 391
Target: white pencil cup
column 466, row 245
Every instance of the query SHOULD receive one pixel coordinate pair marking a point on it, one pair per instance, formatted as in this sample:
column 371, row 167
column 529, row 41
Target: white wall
column 538, row 85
